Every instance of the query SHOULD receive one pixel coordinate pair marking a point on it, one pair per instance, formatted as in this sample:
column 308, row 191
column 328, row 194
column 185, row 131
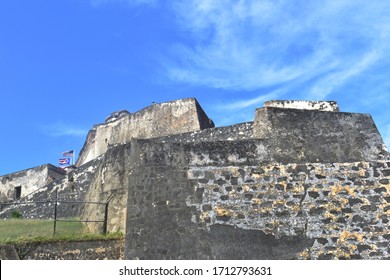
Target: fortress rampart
column 303, row 181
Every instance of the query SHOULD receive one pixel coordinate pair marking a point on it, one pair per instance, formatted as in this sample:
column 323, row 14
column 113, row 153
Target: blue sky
column 66, row 65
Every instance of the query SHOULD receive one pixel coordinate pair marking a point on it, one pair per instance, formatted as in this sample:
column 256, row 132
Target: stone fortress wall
column 303, row 181
column 158, row 120
column 200, row 202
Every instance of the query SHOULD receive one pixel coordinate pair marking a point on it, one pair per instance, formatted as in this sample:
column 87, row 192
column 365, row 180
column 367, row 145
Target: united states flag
column 64, row 161
column 68, row 153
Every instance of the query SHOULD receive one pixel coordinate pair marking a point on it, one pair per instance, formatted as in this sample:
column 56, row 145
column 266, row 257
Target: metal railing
column 29, row 210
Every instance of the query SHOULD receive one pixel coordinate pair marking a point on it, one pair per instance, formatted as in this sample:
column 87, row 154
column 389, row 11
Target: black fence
column 56, row 211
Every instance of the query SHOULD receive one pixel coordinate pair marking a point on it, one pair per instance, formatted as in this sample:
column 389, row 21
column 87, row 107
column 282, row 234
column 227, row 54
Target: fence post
column 55, row 213
column 105, row 219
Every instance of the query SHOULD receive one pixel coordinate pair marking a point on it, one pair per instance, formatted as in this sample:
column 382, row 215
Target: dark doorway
column 18, row 193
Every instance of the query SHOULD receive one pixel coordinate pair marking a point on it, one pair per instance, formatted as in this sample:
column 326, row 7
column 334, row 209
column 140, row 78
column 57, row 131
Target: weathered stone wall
column 241, row 131
column 244, row 192
column 29, row 180
column 100, row 180
column 342, row 210
column 158, row 120
column 110, row 182
column 199, row 201
column 316, row 136
column 80, row 250
column 40, row 203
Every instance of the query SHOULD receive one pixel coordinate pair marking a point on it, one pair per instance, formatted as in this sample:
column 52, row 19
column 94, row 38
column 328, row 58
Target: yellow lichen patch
column 314, row 189
column 345, row 235
column 232, row 193
column 296, row 208
column 344, row 202
column 365, row 201
column 269, row 168
column 387, row 188
column 279, row 202
column 256, row 201
column 344, row 248
column 235, row 172
column 298, row 188
column 282, row 169
column 319, row 170
column 332, row 207
column 257, row 176
column 100, row 250
column 204, row 215
column 221, row 211
column 362, row 172
column 305, row 255
column 284, row 184
column 336, row 190
column 75, row 252
column 343, row 254
column 351, row 191
column 265, row 211
column 328, row 215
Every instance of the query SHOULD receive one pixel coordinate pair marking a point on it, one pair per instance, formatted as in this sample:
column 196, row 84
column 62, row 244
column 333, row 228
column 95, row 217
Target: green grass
column 26, row 230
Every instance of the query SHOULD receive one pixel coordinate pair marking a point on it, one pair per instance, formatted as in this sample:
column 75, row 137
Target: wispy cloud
column 63, row 129
column 331, row 81
column 387, row 137
column 96, row 3
column 250, row 44
column 253, row 102
column 241, row 110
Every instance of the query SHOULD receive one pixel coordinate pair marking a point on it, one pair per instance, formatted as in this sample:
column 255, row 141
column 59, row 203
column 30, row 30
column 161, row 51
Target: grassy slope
column 22, row 230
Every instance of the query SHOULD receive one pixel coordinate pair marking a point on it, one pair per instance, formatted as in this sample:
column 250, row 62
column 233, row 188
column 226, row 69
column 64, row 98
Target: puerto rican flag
column 68, row 153
column 64, row 161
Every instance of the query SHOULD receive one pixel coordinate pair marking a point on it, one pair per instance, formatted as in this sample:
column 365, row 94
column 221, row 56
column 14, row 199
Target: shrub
column 16, row 214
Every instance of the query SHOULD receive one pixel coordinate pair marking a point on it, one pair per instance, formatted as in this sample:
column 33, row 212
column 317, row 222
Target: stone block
column 8, row 252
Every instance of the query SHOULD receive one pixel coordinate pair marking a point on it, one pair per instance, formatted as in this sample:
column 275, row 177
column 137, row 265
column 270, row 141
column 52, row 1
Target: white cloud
column 252, row 44
column 63, row 129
